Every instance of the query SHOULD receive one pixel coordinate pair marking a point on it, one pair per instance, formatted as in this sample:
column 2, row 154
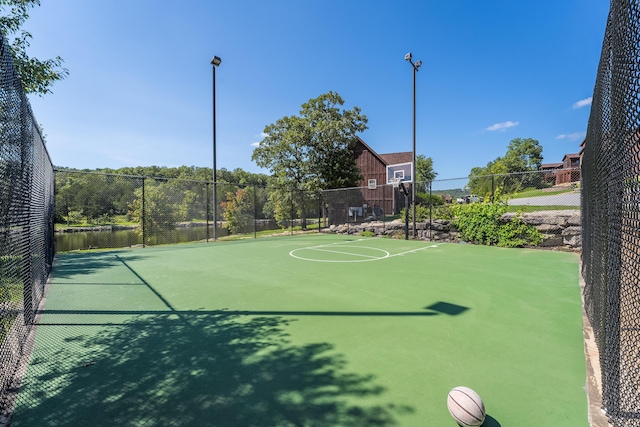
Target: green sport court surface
column 311, row 330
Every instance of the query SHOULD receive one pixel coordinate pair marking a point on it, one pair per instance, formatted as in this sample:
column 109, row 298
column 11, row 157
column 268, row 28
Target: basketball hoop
column 403, row 189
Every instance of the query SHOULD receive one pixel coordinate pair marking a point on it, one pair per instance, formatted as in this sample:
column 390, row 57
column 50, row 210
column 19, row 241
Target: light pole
column 415, row 67
column 215, row 61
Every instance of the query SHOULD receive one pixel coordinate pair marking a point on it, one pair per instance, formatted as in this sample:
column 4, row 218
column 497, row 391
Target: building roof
column 395, row 158
column 551, row 166
column 371, row 150
column 390, row 158
column 571, row 156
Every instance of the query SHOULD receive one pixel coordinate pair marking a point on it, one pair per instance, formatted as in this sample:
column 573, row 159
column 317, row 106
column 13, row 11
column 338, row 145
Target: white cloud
column 582, row 103
column 262, row 136
column 502, row 126
column 571, row 136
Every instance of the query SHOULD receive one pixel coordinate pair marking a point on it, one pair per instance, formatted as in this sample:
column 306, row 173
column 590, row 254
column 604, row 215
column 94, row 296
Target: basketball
column 465, row 406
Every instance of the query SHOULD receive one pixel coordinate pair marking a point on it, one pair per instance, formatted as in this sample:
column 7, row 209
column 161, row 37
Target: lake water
column 127, row 238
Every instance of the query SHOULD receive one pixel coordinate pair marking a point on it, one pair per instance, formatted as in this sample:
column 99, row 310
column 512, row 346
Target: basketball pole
column 406, row 210
column 215, row 62
column 415, row 67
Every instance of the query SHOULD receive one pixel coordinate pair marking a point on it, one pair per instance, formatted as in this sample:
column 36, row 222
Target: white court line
column 347, row 253
column 414, row 250
column 333, row 244
column 364, row 258
column 368, row 257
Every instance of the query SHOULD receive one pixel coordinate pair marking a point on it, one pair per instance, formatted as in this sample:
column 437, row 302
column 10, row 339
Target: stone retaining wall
column 560, row 229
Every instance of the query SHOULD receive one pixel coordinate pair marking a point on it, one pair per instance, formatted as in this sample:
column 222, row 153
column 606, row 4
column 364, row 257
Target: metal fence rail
column 26, row 226
column 611, row 214
column 106, row 210
column 384, row 205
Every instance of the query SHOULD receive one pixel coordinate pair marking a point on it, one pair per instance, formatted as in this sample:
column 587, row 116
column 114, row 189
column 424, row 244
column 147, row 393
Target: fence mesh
column 110, row 210
column 382, row 209
column 611, row 214
column 26, row 225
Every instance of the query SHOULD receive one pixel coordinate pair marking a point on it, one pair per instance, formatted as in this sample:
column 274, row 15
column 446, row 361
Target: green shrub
column 105, row 219
column 516, row 233
column 75, row 217
column 367, row 233
column 443, row 212
column 426, row 199
column 481, row 223
column 422, row 213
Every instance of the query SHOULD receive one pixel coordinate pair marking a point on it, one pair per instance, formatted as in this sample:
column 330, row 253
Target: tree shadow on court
column 74, row 264
column 193, row 369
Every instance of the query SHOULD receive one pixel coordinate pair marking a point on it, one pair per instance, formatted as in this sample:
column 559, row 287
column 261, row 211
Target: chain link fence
column 100, row 210
column 26, row 227
column 611, row 214
column 384, row 208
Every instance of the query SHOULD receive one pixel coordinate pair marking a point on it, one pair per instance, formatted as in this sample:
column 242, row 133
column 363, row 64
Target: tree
column 312, row 151
column 424, row 172
column 523, row 155
column 483, row 180
column 238, row 210
column 159, row 213
column 333, row 136
column 36, row 75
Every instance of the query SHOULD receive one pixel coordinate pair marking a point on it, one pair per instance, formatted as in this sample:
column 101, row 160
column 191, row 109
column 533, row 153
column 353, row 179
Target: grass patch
column 11, row 294
column 535, row 192
column 528, row 208
column 270, row 233
column 117, row 220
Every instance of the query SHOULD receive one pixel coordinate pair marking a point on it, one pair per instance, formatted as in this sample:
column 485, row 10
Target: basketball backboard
column 400, row 172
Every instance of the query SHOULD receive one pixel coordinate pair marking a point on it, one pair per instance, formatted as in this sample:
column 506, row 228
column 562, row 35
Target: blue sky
column 139, row 91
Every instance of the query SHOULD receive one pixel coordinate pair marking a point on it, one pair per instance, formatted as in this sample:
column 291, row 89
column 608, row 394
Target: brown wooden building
column 373, row 166
column 549, row 170
column 570, row 171
column 563, row 173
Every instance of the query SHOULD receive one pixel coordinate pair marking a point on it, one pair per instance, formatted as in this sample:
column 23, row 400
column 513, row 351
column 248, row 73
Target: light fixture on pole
column 415, row 66
column 215, row 62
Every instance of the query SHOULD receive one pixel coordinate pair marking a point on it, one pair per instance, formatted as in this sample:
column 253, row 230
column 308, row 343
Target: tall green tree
column 523, row 155
column 238, row 210
column 312, row 151
column 37, row 75
column 424, row 172
column 511, row 172
column 159, row 213
column 315, row 149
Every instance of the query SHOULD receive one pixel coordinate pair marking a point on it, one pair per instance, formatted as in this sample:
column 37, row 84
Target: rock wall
column 560, row 229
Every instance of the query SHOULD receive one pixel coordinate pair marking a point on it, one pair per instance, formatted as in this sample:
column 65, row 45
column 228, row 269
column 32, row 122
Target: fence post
column 144, row 217
column 492, row 186
column 348, row 211
column 430, row 212
column 255, row 214
column 319, row 211
column 406, row 217
column 207, row 208
column 384, row 210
